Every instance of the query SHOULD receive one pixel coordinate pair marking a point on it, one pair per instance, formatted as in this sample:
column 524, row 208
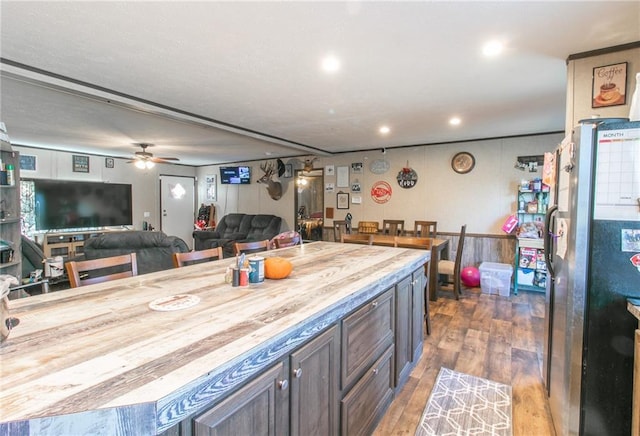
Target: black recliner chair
column 32, row 256
column 238, row 227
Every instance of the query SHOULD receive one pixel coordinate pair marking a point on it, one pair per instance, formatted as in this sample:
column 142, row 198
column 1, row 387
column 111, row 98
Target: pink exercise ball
column 470, row 276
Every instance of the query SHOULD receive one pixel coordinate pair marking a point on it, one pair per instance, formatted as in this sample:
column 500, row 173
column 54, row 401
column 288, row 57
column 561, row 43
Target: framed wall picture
column 356, row 167
column 288, row 171
column 211, row 188
column 80, row 164
column 27, row 162
column 342, row 200
column 342, row 177
column 108, row 162
column 609, row 85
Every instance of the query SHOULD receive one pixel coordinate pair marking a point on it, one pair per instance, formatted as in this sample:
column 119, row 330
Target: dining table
column 439, row 251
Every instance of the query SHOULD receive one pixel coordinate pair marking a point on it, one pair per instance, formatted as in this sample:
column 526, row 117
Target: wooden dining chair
column 88, row 272
column 413, row 242
column 383, row 240
column 393, row 227
column 287, row 242
column 194, row 257
column 368, row 227
column 357, row 238
column 451, row 269
column 425, row 229
column 251, row 247
column 340, row 227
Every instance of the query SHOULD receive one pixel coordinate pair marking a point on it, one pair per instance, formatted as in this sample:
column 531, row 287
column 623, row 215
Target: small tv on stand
column 238, row 175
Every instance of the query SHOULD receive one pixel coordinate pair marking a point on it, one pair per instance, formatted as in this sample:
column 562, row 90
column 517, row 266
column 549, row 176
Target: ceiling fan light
column 149, row 164
column 140, row 164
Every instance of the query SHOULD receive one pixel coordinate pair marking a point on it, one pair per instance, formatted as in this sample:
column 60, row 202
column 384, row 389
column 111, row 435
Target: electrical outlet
column 146, row 214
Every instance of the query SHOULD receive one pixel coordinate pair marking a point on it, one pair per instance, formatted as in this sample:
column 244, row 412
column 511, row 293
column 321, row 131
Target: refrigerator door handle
column 549, row 240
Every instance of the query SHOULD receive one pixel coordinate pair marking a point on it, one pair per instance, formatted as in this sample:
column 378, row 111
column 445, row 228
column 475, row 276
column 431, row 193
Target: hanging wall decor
column 379, row 166
column 609, row 85
column 381, row 192
column 407, row 177
column 342, row 200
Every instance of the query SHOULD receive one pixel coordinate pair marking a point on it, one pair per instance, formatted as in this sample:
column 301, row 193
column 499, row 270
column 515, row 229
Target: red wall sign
column 381, row 192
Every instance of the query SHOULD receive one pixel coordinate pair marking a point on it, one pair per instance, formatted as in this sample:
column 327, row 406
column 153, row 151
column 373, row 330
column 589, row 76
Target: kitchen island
column 99, row 360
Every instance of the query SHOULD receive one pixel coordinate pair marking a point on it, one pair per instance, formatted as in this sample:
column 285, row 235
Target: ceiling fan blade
column 163, row 159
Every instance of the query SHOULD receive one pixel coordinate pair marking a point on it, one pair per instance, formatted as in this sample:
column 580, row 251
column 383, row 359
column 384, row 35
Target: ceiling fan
column 144, row 159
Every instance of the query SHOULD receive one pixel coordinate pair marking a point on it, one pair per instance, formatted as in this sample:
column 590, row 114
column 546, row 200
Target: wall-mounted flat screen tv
column 235, row 175
column 60, row 205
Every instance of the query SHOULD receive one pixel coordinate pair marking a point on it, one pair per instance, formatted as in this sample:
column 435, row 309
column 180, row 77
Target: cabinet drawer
column 366, row 334
column 365, row 404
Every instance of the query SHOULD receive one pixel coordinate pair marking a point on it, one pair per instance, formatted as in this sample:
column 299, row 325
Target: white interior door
column 177, row 207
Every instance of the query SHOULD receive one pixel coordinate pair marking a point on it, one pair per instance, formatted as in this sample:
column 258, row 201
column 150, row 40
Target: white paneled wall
column 51, row 164
column 482, row 198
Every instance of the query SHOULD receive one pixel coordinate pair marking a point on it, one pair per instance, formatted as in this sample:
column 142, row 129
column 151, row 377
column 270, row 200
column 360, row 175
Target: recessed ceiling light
column 331, row 64
column 455, row 121
column 493, row 48
column 384, row 130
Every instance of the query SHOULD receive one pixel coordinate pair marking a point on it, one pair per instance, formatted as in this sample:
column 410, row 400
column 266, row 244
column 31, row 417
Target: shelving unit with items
column 530, row 267
column 10, row 231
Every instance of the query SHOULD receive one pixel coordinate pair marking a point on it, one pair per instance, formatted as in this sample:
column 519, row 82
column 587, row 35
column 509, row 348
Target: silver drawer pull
column 374, row 304
column 375, row 370
column 284, row 384
column 297, row 373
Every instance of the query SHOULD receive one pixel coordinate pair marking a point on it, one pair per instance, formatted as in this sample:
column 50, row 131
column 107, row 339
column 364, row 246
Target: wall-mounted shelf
column 530, row 268
column 10, row 231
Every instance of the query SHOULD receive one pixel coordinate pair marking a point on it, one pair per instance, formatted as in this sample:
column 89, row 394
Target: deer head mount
column 273, row 188
column 308, row 164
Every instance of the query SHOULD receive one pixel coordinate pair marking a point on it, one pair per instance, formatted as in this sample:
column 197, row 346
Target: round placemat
column 174, row 302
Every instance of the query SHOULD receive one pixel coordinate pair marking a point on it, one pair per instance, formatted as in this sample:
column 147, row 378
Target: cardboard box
column 495, row 278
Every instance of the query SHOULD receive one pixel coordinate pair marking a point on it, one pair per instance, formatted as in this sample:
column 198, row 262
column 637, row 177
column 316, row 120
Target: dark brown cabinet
column 259, row 408
column 366, row 403
column 409, row 325
column 298, row 396
column 340, row 382
column 315, row 386
column 367, row 364
column 366, row 334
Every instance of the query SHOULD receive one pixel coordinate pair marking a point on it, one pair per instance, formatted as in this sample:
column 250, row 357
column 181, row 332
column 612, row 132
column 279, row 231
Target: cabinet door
column 366, row 333
column 366, row 403
column 259, row 408
column 315, row 386
column 404, row 330
column 418, row 319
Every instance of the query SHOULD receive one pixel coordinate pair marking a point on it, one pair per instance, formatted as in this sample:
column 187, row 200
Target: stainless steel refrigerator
column 593, row 230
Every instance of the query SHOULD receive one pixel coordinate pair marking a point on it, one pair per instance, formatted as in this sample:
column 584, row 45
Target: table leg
column 433, row 274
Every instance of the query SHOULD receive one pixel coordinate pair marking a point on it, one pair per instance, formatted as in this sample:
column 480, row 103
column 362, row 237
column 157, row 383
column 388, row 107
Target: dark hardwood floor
column 494, row 337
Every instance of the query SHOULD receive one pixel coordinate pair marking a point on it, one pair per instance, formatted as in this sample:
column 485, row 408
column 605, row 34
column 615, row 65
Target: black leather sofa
column 154, row 250
column 237, row 227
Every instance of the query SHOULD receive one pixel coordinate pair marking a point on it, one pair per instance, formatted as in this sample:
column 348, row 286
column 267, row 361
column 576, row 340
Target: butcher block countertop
column 100, row 354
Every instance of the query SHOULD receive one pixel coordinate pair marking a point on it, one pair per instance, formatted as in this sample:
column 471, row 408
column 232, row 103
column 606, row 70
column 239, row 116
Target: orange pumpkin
column 277, row 268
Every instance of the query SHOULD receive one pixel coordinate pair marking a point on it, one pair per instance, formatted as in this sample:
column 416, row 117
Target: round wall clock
column 463, row 162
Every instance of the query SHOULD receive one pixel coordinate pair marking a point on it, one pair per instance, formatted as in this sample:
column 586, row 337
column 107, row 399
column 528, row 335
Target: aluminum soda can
column 256, row 269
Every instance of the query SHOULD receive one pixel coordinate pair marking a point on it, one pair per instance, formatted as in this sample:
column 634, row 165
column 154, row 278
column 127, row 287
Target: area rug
column 461, row 404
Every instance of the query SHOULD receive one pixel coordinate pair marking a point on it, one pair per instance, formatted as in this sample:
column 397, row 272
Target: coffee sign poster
column 609, row 85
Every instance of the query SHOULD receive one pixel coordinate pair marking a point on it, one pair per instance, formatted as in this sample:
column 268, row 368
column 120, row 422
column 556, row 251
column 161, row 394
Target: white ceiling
column 213, row 82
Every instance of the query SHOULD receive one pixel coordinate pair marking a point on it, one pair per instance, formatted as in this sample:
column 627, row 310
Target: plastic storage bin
column 495, row 278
